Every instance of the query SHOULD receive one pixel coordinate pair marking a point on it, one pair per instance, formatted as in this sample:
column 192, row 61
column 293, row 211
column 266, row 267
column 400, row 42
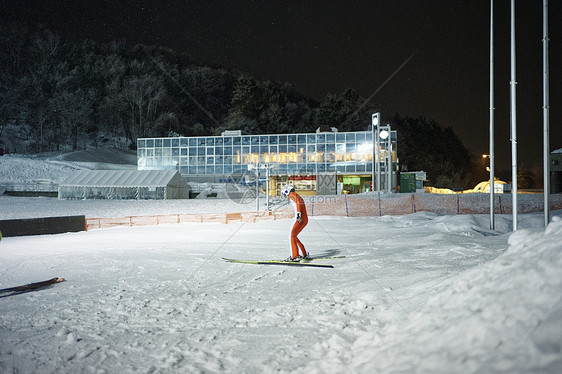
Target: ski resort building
column 124, row 185
column 325, row 162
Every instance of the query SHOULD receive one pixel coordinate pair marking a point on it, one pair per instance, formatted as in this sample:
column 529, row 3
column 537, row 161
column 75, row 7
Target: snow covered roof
column 125, row 178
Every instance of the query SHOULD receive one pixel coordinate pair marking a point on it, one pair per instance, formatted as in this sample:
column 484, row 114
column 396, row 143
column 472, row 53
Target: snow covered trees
column 269, row 108
column 61, row 95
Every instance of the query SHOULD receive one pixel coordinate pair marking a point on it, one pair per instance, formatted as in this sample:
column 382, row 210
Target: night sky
column 323, row 47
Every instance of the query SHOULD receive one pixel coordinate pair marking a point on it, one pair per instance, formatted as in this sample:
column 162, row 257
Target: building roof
column 125, row 178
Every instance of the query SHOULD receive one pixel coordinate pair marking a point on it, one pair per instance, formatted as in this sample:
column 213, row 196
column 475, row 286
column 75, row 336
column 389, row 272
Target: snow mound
column 502, row 316
column 24, row 169
column 102, row 155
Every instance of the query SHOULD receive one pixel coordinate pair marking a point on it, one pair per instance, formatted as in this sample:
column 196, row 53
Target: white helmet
column 285, row 191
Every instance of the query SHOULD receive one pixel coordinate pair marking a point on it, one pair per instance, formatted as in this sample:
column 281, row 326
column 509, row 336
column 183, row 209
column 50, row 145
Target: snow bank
column 502, row 316
column 22, row 169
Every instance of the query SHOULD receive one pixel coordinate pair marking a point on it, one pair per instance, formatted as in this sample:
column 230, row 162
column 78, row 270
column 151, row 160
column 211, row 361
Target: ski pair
column 304, row 262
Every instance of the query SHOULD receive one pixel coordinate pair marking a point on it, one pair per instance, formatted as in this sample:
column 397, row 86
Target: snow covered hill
column 20, row 169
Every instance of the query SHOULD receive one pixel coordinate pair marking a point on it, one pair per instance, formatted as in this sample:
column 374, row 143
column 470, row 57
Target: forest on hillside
column 60, row 95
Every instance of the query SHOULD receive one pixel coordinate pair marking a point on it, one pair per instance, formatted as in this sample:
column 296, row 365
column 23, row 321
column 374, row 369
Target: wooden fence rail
column 101, row 223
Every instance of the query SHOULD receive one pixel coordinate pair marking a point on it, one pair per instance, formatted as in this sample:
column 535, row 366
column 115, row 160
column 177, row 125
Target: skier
column 301, row 219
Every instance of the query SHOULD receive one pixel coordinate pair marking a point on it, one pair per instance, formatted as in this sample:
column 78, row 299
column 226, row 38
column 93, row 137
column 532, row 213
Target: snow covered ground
column 423, row 292
column 415, row 293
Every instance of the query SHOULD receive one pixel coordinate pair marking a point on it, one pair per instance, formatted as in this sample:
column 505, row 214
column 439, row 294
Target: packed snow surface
column 416, row 293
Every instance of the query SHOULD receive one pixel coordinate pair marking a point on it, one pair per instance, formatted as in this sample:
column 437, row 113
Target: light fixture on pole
column 384, row 134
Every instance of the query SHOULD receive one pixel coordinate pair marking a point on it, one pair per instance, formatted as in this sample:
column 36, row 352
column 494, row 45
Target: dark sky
column 323, row 47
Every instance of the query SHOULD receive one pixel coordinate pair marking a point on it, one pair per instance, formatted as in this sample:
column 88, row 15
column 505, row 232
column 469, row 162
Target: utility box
column 407, row 182
column 412, row 181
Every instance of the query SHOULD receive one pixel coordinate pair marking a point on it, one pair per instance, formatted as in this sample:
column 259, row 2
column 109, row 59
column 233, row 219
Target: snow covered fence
column 370, row 204
column 99, row 223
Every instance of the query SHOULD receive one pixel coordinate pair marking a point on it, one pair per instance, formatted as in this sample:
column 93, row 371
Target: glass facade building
column 294, row 157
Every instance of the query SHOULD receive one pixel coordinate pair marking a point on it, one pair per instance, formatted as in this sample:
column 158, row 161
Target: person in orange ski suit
column 301, row 220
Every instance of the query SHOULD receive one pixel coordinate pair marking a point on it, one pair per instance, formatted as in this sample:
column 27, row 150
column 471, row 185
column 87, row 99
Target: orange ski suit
column 300, row 210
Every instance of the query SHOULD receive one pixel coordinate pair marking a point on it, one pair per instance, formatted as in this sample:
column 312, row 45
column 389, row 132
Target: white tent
column 124, row 185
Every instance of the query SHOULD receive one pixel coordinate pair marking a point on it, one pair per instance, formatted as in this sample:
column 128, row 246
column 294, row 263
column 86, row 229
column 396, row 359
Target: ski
column 32, row 286
column 278, row 262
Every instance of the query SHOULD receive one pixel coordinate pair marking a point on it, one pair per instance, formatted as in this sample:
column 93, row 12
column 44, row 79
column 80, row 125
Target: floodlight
column 375, row 119
column 384, row 134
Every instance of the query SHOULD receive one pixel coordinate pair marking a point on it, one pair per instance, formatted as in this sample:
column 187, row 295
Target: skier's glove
column 299, row 218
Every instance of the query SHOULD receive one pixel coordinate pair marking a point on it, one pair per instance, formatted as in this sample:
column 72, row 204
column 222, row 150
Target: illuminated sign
column 355, row 181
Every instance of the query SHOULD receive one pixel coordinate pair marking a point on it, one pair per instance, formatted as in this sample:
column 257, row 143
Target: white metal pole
column 267, row 188
column 546, row 125
column 374, row 150
column 377, row 160
column 492, row 191
column 391, row 165
column 388, row 164
column 513, row 122
column 258, row 188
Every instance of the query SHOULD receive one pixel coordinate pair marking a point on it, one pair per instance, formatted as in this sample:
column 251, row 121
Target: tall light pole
column 546, row 108
column 384, row 134
column 492, row 191
column 375, row 121
column 513, row 122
